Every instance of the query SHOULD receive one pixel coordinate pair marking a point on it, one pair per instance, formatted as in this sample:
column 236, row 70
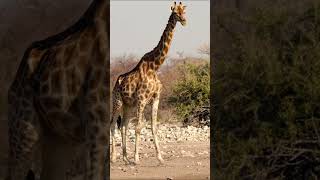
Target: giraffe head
column 178, row 12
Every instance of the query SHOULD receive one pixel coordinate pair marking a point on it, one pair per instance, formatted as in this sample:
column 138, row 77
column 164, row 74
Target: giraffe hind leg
column 155, row 106
column 138, row 129
column 114, row 121
column 124, row 129
column 113, row 129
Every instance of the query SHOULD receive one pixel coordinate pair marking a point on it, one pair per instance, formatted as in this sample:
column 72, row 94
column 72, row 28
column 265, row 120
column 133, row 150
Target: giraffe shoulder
column 33, row 58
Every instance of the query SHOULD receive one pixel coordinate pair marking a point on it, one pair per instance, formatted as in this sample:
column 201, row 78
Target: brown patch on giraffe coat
column 73, row 81
column 94, row 81
column 151, row 65
column 50, row 102
column 144, row 66
column 165, row 50
column 92, row 98
column 84, row 43
column 144, row 86
column 56, row 81
column 99, row 111
column 132, row 86
column 149, row 73
column 127, row 87
column 83, row 63
column 98, row 58
column 68, row 54
column 34, row 59
column 44, row 88
column 157, row 63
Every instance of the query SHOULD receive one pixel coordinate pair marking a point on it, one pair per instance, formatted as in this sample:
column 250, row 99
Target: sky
column 136, row 27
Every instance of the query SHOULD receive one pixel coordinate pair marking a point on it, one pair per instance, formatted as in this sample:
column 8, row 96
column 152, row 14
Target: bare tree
column 204, row 49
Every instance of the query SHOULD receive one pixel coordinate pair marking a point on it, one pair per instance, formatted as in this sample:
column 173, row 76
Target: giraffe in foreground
column 140, row 87
column 58, row 101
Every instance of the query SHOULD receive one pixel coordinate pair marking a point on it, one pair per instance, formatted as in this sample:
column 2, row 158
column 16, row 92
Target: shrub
column 267, row 92
column 192, row 89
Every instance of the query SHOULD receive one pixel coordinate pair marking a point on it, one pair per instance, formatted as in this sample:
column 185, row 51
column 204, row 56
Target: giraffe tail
column 119, row 122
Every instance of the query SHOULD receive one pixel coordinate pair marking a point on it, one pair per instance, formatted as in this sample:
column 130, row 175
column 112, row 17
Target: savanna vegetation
column 266, row 90
column 186, row 83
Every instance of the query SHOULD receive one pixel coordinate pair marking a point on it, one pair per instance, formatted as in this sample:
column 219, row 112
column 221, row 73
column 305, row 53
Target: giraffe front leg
column 139, row 126
column 137, row 132
column 155, row 106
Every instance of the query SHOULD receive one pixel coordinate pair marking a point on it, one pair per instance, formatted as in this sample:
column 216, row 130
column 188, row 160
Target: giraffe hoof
column 128, row 162
column 161, row 161
column 137, row 162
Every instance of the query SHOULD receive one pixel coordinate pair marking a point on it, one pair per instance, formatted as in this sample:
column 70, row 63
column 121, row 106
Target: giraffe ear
column 171, row 8
column 184, row 7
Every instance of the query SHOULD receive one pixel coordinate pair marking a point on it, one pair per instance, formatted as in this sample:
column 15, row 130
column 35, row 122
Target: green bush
column 192, row 90
column 267, row 91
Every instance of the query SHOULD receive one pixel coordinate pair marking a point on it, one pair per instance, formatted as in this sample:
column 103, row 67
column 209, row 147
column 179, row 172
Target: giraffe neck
column 101, row 19
column 161, row 50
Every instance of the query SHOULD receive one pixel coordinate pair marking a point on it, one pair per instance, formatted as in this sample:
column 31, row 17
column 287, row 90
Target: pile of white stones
column 170, row 133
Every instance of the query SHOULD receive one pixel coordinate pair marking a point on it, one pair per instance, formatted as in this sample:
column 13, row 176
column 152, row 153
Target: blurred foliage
column 267, row 92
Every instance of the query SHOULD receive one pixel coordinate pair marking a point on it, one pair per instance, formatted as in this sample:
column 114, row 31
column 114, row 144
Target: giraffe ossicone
column 140, row 87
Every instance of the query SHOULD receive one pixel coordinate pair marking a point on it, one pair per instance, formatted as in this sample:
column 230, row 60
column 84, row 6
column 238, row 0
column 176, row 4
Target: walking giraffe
column 141, row 86
column 58, row 101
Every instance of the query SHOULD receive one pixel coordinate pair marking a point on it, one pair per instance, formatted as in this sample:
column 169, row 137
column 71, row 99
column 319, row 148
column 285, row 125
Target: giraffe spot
column 92, row 98
column 151, row 65
column 149, row 73
column 68, row 54
column 50, row 102
column 101, row 114
column 127, row 87
column 94, row 82
column 44, row 88
column 133, row 86
column 34, row 59
column 94, row 129
column 126, row 94
column 56, row 83
column 98, row 56
column 104, row 95
column 144, row 86
column 73, row 81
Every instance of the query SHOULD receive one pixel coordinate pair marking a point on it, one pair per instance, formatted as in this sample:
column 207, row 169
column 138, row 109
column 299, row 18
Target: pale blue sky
column 136, row 27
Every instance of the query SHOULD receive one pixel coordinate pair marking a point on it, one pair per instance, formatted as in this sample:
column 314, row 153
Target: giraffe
column 140, row 87
column 58, row 101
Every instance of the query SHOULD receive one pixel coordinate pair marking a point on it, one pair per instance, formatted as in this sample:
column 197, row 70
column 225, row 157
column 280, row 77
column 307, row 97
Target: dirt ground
column 183, row 161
